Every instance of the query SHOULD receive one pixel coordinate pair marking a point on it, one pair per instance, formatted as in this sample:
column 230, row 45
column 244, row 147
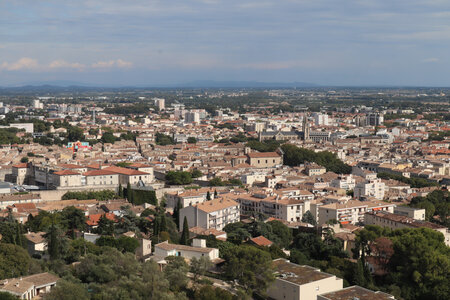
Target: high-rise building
column 160, row 103
column 320, row 119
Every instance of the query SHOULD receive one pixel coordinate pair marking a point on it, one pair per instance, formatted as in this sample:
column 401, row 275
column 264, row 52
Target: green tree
column 251, row 267
column 309, row 218
column 208, row 195
column 24, row 159
column 196, row 173
column 184, row 240
column 14, row 261
column 192, row 140
column 199, row 267
column 176, row 273
column 178, row 177
column 7, row 296
column 75, row 134
column 208, row 292
column 120, row 192
column 66, row 290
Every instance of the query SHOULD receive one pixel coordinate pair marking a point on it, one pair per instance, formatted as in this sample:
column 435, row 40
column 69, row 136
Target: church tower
column 305, row 127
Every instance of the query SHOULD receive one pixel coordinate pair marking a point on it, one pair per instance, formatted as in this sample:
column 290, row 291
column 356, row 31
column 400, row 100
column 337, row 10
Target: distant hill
column 245, row 84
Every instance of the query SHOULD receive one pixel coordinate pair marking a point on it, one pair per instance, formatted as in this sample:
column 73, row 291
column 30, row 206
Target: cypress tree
column 215, row 193
column 184, row 240
column 53, row 244
column 156, row 226
column 208, row 196
column 163, row 224
column 120, row 190
column 176, row 214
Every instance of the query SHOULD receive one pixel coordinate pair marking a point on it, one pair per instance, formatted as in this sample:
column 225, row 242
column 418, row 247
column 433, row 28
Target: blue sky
column 126, row 42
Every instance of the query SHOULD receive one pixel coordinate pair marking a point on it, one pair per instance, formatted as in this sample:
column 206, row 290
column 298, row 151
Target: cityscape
column 126, row 174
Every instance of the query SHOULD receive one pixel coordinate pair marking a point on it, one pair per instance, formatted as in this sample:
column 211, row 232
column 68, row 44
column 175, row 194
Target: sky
column 147, row 42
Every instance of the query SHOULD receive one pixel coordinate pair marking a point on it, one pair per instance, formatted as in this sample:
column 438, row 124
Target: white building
column 164, row 249
column 160, row 103
column 372, row 188
column 37, row 104
column 346, row 182
column 192, row 117
column 320, row 119
column 301, row 282
column 211, row 214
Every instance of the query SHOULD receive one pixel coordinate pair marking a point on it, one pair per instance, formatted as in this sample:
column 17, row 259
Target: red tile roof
column 99, row 173
column 95, row 218
column 124, row 171
column 263, row 154
column 22, row 165
column 66, row 172
column 261, row 241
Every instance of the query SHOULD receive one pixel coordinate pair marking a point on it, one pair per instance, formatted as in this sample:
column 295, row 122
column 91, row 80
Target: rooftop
column 294, row 273
column 357, row 292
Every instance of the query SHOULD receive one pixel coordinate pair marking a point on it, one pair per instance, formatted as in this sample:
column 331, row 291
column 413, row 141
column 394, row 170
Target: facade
column 287, row 209
column 351, row 212
column 131, row 176
column 411, row 212
column 264, row 159
column 320, row 119
column 346, row 182
column 164, row 249
column 313, row 169
column 213, row 214
column 100, row 177
column 372, row 188
column 298, row 282
column 66, row 178
column 394, row 221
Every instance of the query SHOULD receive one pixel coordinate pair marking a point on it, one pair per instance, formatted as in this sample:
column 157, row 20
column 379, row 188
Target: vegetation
column 437, row 206
column 98, row 195
column 178, row 177
column 163, row 139
column 413, row 182
column 294, row 156
column 265, row 146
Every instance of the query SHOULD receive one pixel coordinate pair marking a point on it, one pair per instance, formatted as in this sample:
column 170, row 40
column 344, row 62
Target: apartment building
column 351, row 212
column 131, row 176
column 264, row 159
column 100, row 177
column 301, row 282
column 273, row 205
column 346, row 182
column 188, row 197
column 213, row 214
column 395, row 221
column 355, row 292
column 314, row 169
column 373, row 188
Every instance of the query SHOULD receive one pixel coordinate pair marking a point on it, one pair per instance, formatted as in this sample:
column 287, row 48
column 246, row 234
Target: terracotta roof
column 215, row 204
column 169, row 247
column 35, row 237
column 263, row 154
column 99, row 173
column 95, row 218
column 261, row 241
column 71, row 166
column 124, row 171
column 22, row 165
column 66, row 172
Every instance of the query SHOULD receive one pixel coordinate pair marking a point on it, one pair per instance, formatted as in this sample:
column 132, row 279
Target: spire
column 305, row 127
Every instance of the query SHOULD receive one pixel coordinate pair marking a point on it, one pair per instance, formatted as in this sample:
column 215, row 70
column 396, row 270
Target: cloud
column 119, row 63
column 430, row 60
column 24, row 63
column 31, row 64
column 61, row 64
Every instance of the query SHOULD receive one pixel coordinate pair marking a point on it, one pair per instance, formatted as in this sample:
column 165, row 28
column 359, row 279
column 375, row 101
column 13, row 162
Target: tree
column 208, row 292
column 105, row 226
column 7, row 296
column 196, row 173
column 54, row 242
column 199, row 267
column 216, row 181
column 108, row 137
column 208, row 195
column 176, row 272
column 309, row 218
column 178, row 177
column 66, row 290
column 215, row 194
column 176, row 214
column 282, row 235
column 73, row 219
column 24, row 159
column 251, row 267
column 120, row 192
column 192, row 140
column 14, row 261
column 75, row 134
column 184, row 240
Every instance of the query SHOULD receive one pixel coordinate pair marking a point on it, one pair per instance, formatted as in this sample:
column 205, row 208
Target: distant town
column 224, row 193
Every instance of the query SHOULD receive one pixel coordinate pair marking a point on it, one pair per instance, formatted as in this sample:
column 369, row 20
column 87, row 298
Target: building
column 131, row 176
column 29, row 287
column 198, row 250
column 36, row 243
column 346, row 182
column 313, row 169
column 66, row 178
column 352, row 211
column 355, row 292
column 100, row 177
column 213, row 214
column 37, row 104
column 394, row 221
column 320, row 119
column 275, row 206
column 264, row 159
column 188, row 197
column 374, row 188
column 192, row 117
column 298, row 282
column 160, row 103
column 411, row 212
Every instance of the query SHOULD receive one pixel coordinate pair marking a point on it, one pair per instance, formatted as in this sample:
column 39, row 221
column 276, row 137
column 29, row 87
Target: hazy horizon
column 144, row 43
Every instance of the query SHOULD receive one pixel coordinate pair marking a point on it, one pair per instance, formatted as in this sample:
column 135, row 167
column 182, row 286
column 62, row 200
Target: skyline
column 145, row 43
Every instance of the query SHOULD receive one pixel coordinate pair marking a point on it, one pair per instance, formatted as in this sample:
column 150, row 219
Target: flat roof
column 358, row 292
column 285, row 270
